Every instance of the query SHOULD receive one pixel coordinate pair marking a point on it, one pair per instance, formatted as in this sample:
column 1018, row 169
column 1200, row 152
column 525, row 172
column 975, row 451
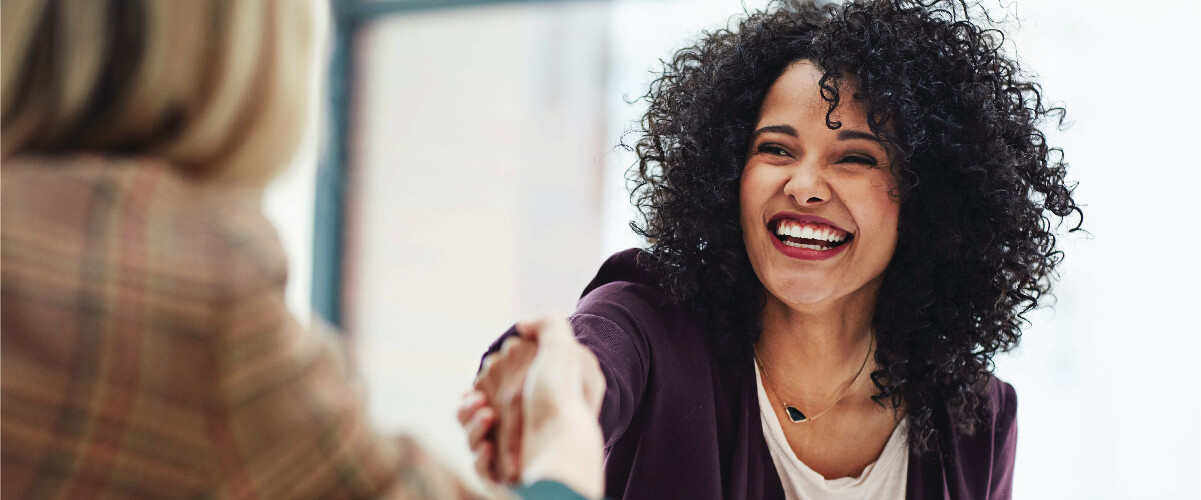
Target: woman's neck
column 812, row 351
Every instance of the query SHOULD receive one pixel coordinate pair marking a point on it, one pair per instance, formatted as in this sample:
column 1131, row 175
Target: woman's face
column 817, row 219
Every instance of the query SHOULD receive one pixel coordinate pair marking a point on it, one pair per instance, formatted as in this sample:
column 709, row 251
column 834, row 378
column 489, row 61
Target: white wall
column 1108, row 380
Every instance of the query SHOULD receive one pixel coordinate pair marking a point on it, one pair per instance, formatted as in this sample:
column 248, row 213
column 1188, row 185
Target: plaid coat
column 147, row 351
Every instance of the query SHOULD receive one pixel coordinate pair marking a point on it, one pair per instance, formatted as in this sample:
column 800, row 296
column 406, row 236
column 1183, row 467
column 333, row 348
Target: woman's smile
column 808, row 237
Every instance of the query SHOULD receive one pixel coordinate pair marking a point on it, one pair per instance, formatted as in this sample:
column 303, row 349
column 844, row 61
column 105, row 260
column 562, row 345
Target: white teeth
column 805, row 246
column 805, row 231
column 787, row 229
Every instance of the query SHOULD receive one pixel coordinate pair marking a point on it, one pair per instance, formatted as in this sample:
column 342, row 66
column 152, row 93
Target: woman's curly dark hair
column 981, row 192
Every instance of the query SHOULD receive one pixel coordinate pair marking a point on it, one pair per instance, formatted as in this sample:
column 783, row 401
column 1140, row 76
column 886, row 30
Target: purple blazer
column 679, row 422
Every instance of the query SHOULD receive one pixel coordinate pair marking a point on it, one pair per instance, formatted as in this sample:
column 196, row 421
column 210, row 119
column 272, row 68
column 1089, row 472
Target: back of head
column 219, row 88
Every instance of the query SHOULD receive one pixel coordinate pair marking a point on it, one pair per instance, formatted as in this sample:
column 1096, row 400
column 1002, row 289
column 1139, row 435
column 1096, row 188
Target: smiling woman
column 850, row 209
column 819, row 222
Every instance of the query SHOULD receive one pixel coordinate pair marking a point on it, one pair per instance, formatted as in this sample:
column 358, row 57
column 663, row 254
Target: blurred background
column 464, row 173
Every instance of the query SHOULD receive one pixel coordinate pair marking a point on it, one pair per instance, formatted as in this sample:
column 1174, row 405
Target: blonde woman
column 147, row 351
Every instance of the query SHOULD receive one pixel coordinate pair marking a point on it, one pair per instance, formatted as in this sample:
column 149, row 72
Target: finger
column 508, row 437
column 472, row 400
column 514, row 452
column 555, row 331
column 480, row 425
column 530, row 329
column 484, row 366
column 557, row 354
column 507, row 346
column 514, row 434
column 526, row 328
column 484, row 462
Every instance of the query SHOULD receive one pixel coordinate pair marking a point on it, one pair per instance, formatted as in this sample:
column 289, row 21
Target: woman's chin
column 800, row 296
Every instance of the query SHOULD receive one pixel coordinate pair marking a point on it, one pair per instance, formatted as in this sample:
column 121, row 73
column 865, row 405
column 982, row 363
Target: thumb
column 555, row 376
column 550, row 330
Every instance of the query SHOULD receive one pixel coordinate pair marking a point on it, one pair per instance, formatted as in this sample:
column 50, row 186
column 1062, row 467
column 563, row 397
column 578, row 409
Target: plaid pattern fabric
column 147, row 351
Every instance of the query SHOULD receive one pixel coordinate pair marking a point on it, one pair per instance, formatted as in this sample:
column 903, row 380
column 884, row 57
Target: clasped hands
column 533, row 411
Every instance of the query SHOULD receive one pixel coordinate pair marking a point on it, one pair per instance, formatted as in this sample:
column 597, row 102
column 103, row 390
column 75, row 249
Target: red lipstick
column 806, row 253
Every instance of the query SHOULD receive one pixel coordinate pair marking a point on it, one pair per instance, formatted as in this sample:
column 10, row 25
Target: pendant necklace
column 794, row 413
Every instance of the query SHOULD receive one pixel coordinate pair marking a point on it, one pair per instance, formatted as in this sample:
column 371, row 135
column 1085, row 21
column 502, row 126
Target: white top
column 884, row 478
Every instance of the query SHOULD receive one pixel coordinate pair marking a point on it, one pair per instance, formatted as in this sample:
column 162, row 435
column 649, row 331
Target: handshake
column 532, row 414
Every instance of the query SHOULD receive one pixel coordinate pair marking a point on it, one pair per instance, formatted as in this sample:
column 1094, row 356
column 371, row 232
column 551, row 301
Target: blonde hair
column 220, row 87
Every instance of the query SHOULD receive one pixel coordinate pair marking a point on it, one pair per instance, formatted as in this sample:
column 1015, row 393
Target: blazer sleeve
column 286, row 418
column 1005, row 434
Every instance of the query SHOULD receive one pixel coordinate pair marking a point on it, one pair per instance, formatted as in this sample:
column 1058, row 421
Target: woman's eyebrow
column 847, row 135
column 783, row 129
column 843, row 135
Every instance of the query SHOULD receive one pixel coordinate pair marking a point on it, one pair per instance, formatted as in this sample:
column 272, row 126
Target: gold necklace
column 794, row 413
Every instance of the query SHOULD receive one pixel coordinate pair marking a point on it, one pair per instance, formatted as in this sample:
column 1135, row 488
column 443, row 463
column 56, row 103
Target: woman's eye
column 860, row 159
column 773, row 150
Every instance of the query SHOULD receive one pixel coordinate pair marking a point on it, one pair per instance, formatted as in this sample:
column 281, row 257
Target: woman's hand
column 478, row 420
column 533, row 412
column 561, row 438
column 492, row 413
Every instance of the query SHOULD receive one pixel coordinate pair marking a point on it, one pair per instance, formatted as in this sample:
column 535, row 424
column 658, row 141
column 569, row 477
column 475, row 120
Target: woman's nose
column 807, row 185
